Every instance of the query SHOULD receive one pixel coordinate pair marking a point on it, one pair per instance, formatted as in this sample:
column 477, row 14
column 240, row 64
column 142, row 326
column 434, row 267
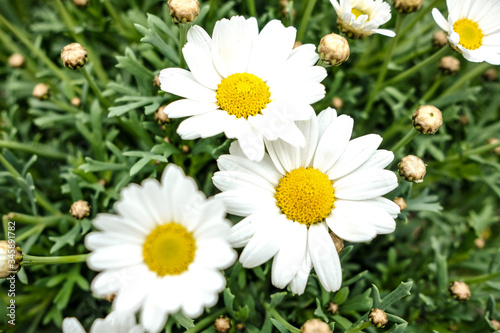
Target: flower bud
column 222, row 325
column 41, row 91
column 81, row 3
column 439, row 38
column 156, row 81
column 412, row 169
column 80, row 209
column 297, row 44
column 160, row 116
column 495, row 323
column 11, row 257
column 460, row 291
column 337, row 103
column 16, row 60
column 110, row 297
column 449, row 65
column 490, row 75
column 74, row 56
column 427, row 119
column 240, row 327
column 334, row 49
column 400, row 202
column 333, row 308
column 407, row 6
column 494, row 141
column 378, row 317
column 339, row 242
column 479, row 243
column 76, row 102
column 315, row 326
column 185, row 149
column 183, row 11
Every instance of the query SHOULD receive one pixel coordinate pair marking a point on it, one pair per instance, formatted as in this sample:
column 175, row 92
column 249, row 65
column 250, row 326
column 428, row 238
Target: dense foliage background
column 53, row 153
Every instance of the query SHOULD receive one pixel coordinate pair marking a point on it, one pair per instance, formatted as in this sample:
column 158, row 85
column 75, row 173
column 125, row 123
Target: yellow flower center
column 169, row 249
column 305, row 195
column 358, row 12
column 471, row 36
column 243, row 95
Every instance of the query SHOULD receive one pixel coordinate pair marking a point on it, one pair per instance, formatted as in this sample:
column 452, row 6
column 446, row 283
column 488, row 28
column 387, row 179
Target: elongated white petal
column 364, row 185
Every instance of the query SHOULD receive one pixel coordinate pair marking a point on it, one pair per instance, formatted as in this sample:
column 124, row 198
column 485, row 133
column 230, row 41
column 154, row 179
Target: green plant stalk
column 469, row 75
column 358, row 327
column 104, row 102
column 209, row 320
column 440, row 53
column 251, row 8
column 37, row 220
column 305, row 19
column 37, row 52
column 281, row 320
column 40, row 150
column 479, row 278
column 467, row 153
column 412, row 133
column 33, row 260
column 183, row 29
column 32, row 231
column 68, row 21
column 383, row 69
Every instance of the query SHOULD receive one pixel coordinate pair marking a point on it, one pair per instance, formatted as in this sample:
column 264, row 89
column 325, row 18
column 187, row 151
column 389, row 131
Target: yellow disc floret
column 243, row 95
column 471, row 36
column 305, row 195
column 358, row 12
column 169, row 249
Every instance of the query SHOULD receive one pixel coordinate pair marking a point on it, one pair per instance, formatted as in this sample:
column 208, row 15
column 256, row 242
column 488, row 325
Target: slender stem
column 441, row 52
column 467, row 153
column 418, row 18
column 469, row 75
column 281, row 320
column 305, row 19
column 104, row 102
column 32, row 231
column 405, row 140
column 37, row 220
column 207, row 321
column 33, row 260
column 183, row 29
column 41, row 150
column 480, row 278
column 251, row 8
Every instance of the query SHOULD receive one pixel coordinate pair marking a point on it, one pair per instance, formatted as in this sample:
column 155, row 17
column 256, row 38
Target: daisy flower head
column 361, row 18
column 163, row 250
column 113, row 323
column 248, row 85
column 473, row 28
column 295, row 196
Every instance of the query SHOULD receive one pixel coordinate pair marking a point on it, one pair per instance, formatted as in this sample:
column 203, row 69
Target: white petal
column 237, row 180
column 379, row 160
column 153, row 318
column 325, row 119
column 95, row 240
column 199, row 61
column 385, row 32
column 204, row 125
column 243, row 203
column 264, row 168
column 273, row 125
column 388, row 205
column 131, row 206
column 440, row 20
column 182, row 83
column 299, row 281
column 251, row 143
column 364, row 185
column 288, row 260
column 324, row 257
column 132, row 294
column 214, row 254
column 72, row 325
column 186, row 107
column 114, row 257
column 243, row 231
column 333, row 143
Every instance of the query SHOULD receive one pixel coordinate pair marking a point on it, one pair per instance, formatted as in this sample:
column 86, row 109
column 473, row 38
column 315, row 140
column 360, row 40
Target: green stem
column 480, row 278
column 405, row 140
column 32, row 231
column 207, row 321
column 469, row 75
column 104, row 102
column 281, row 320
column 383, row 69
column 40, row 150
column 37, row 220
column 183, row 29
column 418, row 18
column 111, row 10
column 33, row 260
column 441, row 52
column 305, row 19
column 467, row 153
column 251, row 8
column 358, row 328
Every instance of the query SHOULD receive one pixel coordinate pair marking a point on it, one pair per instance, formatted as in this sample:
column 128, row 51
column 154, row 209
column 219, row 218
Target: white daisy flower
column 361, row 18
column 294, row 196
column 163, row 251
column 473, row 28
column 247, row 84
column 113, row 323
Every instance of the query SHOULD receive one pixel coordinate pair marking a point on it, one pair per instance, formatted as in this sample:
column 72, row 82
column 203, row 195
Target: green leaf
column 401, row 291
column 130, row 64
column 68, row 238
column 228, row 301
column 319, row 311
column 341, row 295
column 279, row 326
column 93, row 165
column 277, row 298
column 182, row 320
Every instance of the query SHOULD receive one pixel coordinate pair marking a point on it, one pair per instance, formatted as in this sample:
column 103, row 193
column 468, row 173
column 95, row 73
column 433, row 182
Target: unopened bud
column 80, row 209
column 297, row 44
column 460, row 291
column 74, row 56
column 337, row 103
column 492, row 141
column 412, row 169
column 156, row 81
column 334, row 49
column 495, row 323
column 479, row 243
column 185, row 149
column 183, row 11
column 427, row 119
column 240, row 327
column 407, row 6
column 16, row 60
column 41, row 91
column 11, row 257
column 222, row 325
column 339, row 242
column 464, row 119
column 76, row 102
column 400, row 202
column 333, row 308
column 110, row 298
column 315, row 326
column 490, row 75
column 439, row 38
column 160, row 116
column 449, row 65
column 81, row 3
column 378, row 317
